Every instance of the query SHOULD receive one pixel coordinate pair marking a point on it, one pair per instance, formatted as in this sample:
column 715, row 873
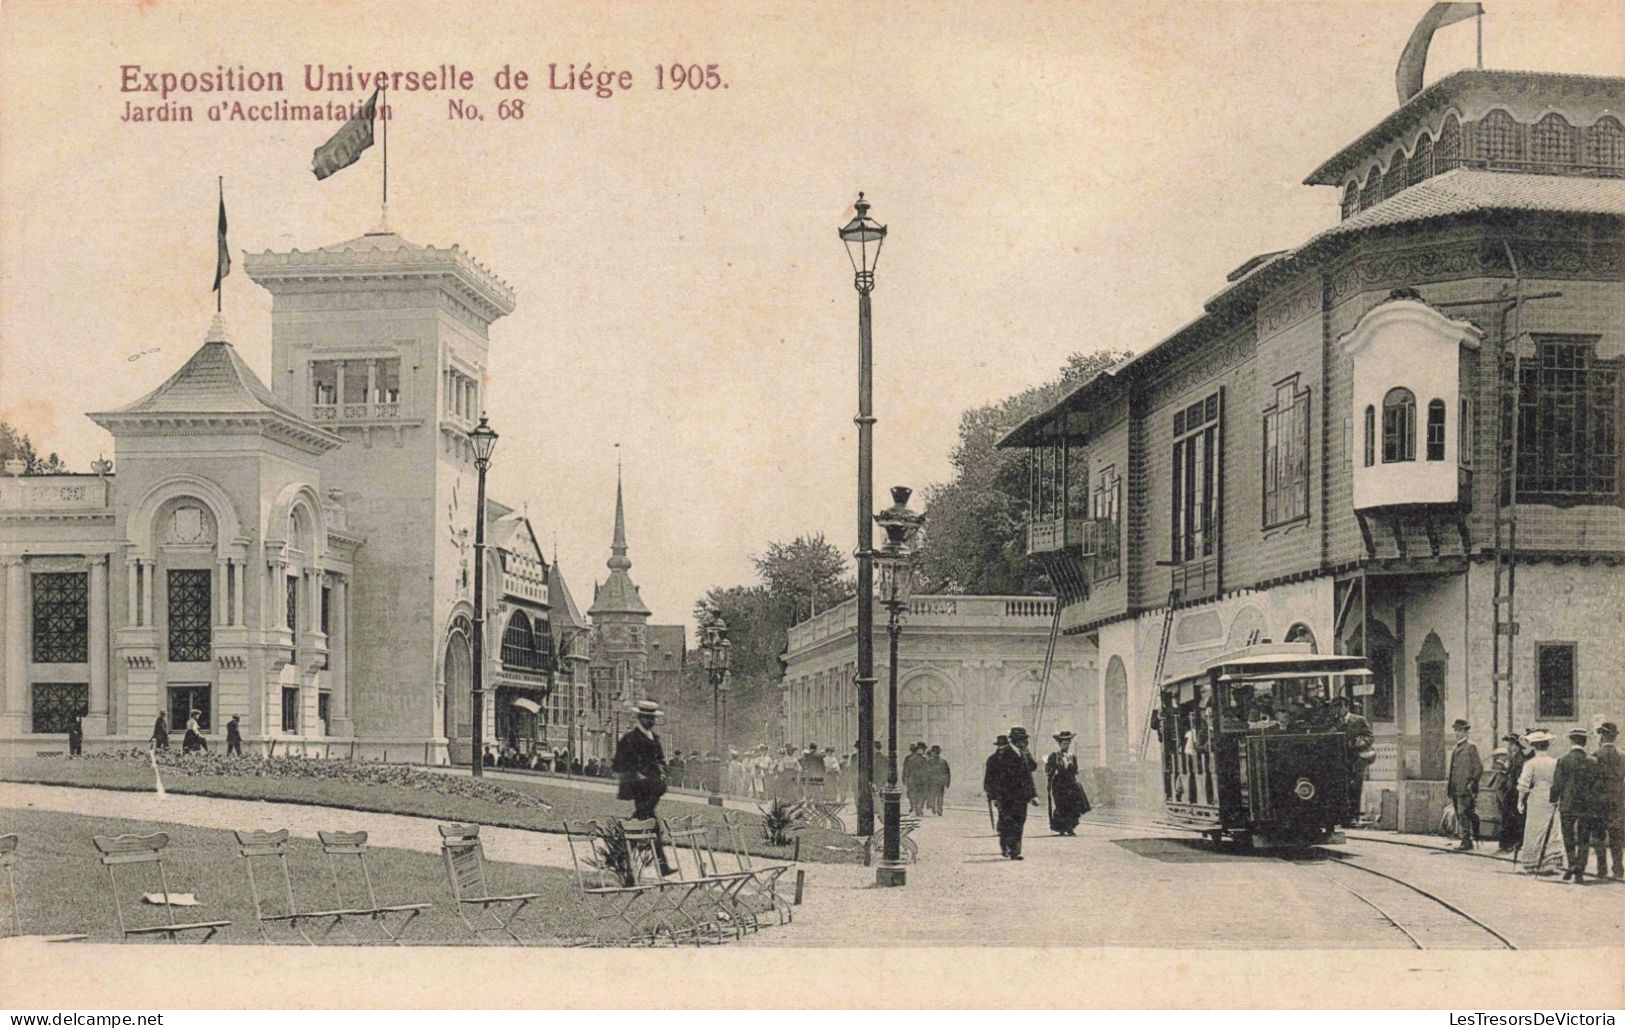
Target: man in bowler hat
column 1466, row 768
column 641, row 765
column 1008, row 782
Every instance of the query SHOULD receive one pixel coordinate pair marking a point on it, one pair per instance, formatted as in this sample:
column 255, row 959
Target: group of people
column 925, row 777
column 193, row 741
column 1008, row 782
column 1554, row 810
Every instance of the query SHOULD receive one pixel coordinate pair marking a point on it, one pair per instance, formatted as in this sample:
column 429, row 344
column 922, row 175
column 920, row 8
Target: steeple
column 617, row 594
column 618, row 560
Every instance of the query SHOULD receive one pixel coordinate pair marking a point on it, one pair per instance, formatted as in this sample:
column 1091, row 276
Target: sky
column 1055, row 177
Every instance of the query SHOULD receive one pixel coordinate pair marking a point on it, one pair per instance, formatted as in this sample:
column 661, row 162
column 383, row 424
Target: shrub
column 779, row 819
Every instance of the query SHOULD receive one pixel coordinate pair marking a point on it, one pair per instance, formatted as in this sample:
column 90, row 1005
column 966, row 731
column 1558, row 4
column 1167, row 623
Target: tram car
column 1253, row 749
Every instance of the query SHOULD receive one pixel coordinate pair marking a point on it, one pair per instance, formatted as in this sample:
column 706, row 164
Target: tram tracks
column 1426, row 919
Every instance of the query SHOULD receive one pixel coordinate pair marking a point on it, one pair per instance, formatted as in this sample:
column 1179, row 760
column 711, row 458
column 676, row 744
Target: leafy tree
column 15, row 445
column 973, row 541
column 806, row 574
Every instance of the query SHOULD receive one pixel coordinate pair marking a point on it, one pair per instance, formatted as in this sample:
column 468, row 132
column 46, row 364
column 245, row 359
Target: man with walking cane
column 1008, row 782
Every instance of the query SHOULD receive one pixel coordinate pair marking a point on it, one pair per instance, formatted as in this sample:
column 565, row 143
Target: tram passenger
column 1361, row 751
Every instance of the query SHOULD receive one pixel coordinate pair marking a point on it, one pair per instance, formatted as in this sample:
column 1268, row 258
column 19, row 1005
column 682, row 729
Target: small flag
column 347, row 144
column 1412, row 62
column 222, row 265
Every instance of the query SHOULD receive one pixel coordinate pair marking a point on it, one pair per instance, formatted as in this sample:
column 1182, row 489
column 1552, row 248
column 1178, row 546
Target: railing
column 355, row 411
column 928, row 611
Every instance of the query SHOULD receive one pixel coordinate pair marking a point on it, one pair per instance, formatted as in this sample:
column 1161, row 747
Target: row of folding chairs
column 706, row 898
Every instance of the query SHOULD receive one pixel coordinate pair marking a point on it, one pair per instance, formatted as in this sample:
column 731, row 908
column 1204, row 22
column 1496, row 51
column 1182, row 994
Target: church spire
column 618, row 560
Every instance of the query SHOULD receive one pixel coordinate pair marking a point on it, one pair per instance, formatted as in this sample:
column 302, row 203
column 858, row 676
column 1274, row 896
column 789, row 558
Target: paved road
column 1132, row 886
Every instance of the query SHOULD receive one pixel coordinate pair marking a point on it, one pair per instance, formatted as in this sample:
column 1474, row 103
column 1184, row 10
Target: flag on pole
column 1412, row 62
column 222, row 264
column 347, row 144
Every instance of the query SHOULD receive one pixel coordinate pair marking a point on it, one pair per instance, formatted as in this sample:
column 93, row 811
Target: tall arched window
column 1447, row 148
column 1371, row 193
column 519, row 643
column 1370, row 435
column 1420, row 166
column 1435, row 430
column 1551, row 141
column 1398, row 426
column 1351, row 199
column 1499, row 140
column 1605, row 144
column 924, row 706
column 1394, row 179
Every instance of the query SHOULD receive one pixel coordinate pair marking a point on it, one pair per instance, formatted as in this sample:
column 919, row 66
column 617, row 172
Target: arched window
column 459, row 671
column 1394, row 179
column 1447, row 148
column 1499, row 140
column 1371, row 194
column 1420, row 166
column 1301, row 633
column 519, row 643
column 1370, row 435
column 1398, row 426
column 924, row 706
column 1351, row 199
column 1605, row 145
column 1551, row 141
column 1435, row 430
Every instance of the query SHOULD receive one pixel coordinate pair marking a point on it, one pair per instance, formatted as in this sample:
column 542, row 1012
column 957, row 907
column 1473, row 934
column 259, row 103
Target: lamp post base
column 891, row 875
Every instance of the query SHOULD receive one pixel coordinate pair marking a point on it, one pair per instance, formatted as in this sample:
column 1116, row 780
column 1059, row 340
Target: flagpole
column 220, row 293
column 385, row 113
column 1479, row 21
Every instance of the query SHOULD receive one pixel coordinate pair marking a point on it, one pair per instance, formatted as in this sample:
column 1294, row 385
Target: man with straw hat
column 641, row 765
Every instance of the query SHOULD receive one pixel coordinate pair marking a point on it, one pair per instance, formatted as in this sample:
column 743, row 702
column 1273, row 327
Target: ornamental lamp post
column 484, row 441
column 896, row 560
column 716, row 647
column 864, row 237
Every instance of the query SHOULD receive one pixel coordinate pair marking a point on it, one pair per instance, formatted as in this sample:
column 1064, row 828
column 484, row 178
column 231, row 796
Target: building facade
column 969, row 667
column 1399, row 439
column 299, row 555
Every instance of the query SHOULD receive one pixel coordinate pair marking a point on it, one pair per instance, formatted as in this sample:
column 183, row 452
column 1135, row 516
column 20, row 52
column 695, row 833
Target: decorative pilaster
column 132, row 591
column 240, row 584
column 100, row 633
column 222, row 593
column 16, row 614
column 149, row 569
column 339, row 657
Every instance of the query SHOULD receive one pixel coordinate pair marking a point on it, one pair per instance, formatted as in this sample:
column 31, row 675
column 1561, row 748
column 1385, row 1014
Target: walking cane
column 991, row 821
column 1049, row 800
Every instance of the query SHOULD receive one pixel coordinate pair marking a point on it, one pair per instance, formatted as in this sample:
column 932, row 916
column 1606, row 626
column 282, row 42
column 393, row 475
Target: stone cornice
column 298, row 433
column 475, row 283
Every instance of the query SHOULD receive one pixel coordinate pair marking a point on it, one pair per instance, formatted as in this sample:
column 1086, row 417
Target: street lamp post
column 716, row 646
column 484, row 441
column 863, row 237
column 896, row 586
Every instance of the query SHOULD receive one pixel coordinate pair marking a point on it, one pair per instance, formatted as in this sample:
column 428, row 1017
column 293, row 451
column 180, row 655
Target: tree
column 973, row 541
column 15, row 445
column 806, row 574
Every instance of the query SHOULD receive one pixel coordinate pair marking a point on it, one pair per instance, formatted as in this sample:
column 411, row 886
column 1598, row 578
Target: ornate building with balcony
column 1401, row 438
column 969, row 667
column 299, row 554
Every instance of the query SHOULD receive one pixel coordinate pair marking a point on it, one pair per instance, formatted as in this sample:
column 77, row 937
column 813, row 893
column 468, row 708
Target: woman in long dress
column 1542, row 849
column 1067, row 800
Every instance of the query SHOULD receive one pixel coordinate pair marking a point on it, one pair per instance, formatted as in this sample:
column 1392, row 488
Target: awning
column 525, row 704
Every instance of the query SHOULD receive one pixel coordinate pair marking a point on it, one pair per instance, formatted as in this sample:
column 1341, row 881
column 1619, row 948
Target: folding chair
column 696, row 862
column 673, row 908
column 147, row 849
column 762, row 891
column 603, row 887
column 8, row 860
column 273, row 847
column 465, row 871
column 907, row 848
column 354, row 844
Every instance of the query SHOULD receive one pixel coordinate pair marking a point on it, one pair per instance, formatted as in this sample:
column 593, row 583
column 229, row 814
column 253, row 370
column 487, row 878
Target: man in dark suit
column 1008, row 782
column 641, row 765
column 1466, row 768
column 1361, row 743
column 1576, row 789
column 1612, row 837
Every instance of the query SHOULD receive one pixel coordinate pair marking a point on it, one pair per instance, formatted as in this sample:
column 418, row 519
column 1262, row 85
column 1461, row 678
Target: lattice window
column 1605, row 145
column 290, row 709
column 61, row 617
column 55, row 704
column 189, row 612
column 1286, row 455
column 519, row 644
column 1568, row 423
column 293, row 602
column 1108, row 510
column 1420, row 166
column 1447, row 148
column 1499, row 139
column 1371, row 194
column 1351, row 199
column 1394, row 179
column 1436, row 417
column 1551, row 141
column 1398, row 426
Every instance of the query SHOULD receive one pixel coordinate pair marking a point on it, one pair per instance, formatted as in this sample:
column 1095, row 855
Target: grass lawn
column 817, row 845
column 63, row 888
